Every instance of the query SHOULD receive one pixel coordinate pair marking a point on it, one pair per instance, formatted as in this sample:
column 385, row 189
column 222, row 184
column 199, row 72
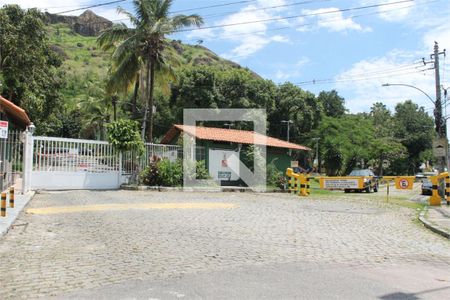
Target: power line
column 266, row 8
column 213, row 6
column 314, row 23
column 297, row 16
column 350, row 79
column 92, row 6
column 173, row 12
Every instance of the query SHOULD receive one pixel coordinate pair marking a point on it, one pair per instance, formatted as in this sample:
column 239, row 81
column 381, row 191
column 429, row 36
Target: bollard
column 447, row 189
column 295, row 188
column 308, row 185
column 11, row 197
column 3, row 205
column 302, row 191
column 435, row 199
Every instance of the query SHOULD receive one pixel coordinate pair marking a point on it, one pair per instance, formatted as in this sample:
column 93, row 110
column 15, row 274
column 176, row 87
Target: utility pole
column 288, row 122
column 441, row 126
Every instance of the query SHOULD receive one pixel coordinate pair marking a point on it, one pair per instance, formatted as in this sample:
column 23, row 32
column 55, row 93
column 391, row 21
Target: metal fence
column 11, row 162
column 73, row 155
column 131, row 163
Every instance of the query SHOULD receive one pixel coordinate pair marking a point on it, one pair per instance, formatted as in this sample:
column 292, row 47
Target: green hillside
column 82, row 56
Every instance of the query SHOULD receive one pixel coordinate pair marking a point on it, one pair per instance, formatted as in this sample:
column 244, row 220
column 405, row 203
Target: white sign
column 341, row 183
column 221, row 164
column 3, row 129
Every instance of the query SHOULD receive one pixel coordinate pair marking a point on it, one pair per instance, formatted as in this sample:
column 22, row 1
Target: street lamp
column 317, row 152
column 438, row 119
column 288, row 122
column 411, row 86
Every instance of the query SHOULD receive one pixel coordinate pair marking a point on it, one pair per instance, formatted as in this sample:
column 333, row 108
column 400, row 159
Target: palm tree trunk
column 150, row 101
column 134, row 98
column 144, row 121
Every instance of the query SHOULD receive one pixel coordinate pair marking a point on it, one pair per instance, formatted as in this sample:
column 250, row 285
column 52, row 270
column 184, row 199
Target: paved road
column 120, row 244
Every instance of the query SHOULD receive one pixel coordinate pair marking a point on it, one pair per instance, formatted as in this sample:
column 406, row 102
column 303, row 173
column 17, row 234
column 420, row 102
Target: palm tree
column 139, row 51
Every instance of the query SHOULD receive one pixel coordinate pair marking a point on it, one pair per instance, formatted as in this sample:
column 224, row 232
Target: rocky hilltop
column 86, row 24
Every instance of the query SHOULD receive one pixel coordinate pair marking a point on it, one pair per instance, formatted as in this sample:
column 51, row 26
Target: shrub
column 202, row 171
column 170, row 173
column 274, row 176
column 124, row 136
column 150, row 175
column 166, row 173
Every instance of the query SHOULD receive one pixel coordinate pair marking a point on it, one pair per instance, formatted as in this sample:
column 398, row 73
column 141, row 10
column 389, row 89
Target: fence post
column 303, row 184
column 27, row 158
column 119, row 179
column 435, row 199
column 308, row 185
column 3, row 205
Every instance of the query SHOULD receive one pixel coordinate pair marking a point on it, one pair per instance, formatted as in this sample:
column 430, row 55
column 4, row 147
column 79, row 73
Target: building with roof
column 14, row 114
column 218, row 144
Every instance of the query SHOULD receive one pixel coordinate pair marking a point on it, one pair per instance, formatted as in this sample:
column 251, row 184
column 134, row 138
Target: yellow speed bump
column 115, row 207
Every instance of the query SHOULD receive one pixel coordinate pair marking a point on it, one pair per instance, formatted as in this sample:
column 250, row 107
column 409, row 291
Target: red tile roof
column 229, row 135
column 14, row 113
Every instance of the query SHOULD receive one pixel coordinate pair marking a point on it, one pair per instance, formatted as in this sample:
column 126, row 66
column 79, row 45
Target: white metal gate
column 52, row 163
column 60, row 164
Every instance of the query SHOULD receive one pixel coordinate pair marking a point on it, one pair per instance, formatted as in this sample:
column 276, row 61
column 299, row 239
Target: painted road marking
column 128, row 206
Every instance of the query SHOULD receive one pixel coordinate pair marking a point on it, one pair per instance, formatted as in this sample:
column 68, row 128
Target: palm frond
column 124, row 74
column 181, row 21
column 109, row 37
column 163, row 9
column 133, row 19
column 125, row 48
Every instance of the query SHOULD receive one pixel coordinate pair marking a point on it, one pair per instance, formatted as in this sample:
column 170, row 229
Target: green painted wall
column 280, row 157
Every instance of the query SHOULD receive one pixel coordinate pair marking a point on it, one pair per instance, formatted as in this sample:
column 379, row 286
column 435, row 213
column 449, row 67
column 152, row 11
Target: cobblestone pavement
column 53, row 254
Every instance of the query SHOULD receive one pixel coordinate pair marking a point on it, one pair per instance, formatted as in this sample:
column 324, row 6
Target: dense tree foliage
column 29, row 69
column 333, row 104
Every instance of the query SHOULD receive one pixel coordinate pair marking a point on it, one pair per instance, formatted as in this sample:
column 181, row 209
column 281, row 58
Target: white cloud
column 201, row 34
column 330, row 18
column 363, row 82
column 282, row 75
column 52, row 6
column 280, row 38
column 291, row 71
column 251, row 45
column 395, row 12
column 253, row 36
column 440, row 34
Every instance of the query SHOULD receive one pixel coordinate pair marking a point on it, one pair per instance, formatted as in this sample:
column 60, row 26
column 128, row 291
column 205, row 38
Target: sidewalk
column 437, row 218
column 12, row 213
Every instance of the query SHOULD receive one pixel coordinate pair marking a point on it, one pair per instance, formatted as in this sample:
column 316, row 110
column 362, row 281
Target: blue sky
column 331, row 45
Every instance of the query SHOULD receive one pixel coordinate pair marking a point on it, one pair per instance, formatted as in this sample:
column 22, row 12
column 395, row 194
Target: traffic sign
column 404, row 183
column 3, row 129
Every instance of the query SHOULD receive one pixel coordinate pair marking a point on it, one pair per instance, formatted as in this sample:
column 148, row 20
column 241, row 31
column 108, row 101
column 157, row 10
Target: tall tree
column 333, row 104
column 414, row 129
column 140, row 50
column 29, row 69
column 386, row 148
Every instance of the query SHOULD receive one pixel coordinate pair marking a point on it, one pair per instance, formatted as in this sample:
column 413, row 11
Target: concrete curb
column 221, row 189
column 433, row 227
column 20, row 202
